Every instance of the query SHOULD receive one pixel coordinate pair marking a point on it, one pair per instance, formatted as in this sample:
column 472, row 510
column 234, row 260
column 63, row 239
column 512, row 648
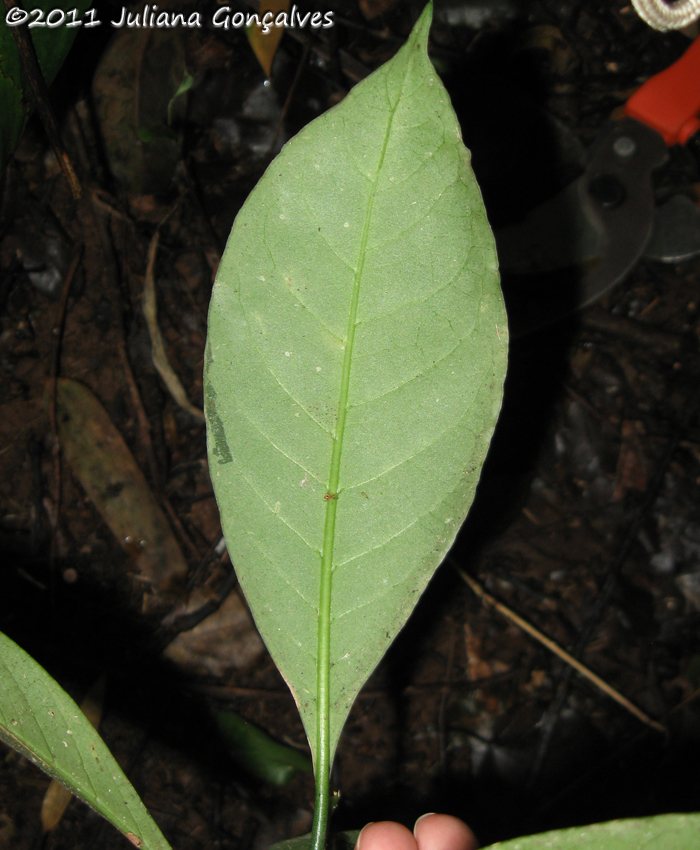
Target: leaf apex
column 422, row 28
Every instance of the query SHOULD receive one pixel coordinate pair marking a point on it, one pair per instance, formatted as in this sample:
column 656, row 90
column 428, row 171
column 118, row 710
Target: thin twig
column 192, row 186
column 30, row 65
column 444, row 694
column 353, row 70
column 98, row 214
column 109, row 251
column 147, row 442
column 179, row 529
column 551, row 716
column 144, row 424
column 290, row 95
column 106, row 203
column 99, row 209
column 34, row 452
column 634, row 331
column 145, row 428
column 612, row 758
column 227, row 691
column 186, row 622
column 53, row 380
column 203, row 563
column 561, row 653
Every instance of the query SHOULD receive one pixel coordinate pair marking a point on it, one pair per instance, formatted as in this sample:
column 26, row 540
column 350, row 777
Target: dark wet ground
column 586, row 523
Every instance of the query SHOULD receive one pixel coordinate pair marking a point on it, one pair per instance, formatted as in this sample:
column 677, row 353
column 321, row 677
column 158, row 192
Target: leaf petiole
column 321, row 812
column 323, row 685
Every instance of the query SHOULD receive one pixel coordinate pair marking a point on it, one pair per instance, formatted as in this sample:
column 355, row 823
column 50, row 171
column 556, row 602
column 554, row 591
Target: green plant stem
column 323, row 673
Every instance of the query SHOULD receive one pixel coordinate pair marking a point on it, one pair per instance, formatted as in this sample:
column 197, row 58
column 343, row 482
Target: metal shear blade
column 600, row 224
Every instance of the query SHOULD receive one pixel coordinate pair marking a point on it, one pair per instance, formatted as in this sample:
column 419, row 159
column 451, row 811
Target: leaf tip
column 422, row 27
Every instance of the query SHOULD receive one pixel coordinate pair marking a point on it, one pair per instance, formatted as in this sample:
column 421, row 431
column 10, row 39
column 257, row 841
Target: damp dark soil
column 586, row 522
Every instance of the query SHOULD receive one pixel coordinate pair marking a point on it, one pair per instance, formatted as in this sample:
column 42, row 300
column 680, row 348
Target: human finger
column 443, row 832
column 386, row 835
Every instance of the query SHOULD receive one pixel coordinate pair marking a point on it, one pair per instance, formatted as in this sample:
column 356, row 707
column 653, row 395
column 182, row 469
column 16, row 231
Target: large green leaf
column 353, row 376
column 40, row 720
column 663, row 832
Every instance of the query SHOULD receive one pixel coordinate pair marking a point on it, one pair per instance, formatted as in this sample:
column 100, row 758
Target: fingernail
column 415, row 825
column 359, row 837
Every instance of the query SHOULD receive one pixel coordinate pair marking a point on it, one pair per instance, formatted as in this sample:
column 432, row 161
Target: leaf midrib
column 323, row 745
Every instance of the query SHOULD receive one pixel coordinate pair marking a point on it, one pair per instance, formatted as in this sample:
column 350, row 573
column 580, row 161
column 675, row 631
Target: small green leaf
column 154, row 134
column 258, row 753
column 663, row 832
column 183, row 88
column 40, row 720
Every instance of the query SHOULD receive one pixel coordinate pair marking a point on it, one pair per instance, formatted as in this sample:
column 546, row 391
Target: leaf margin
column 124, row 810
column 665, row 829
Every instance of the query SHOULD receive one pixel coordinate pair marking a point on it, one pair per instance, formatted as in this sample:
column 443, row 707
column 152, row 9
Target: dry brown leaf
column 107, row 471
column 265, row 44
column 227, row 640
column 160, row 358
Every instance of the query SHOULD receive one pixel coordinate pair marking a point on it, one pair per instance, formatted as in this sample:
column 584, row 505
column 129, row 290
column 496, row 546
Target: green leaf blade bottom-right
column 355, row 361
column 662, row 832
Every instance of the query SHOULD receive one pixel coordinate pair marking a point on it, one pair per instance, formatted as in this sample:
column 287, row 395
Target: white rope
column 665, row 16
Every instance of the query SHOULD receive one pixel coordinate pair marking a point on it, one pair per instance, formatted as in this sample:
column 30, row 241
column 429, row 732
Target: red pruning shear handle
column 670, row 101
